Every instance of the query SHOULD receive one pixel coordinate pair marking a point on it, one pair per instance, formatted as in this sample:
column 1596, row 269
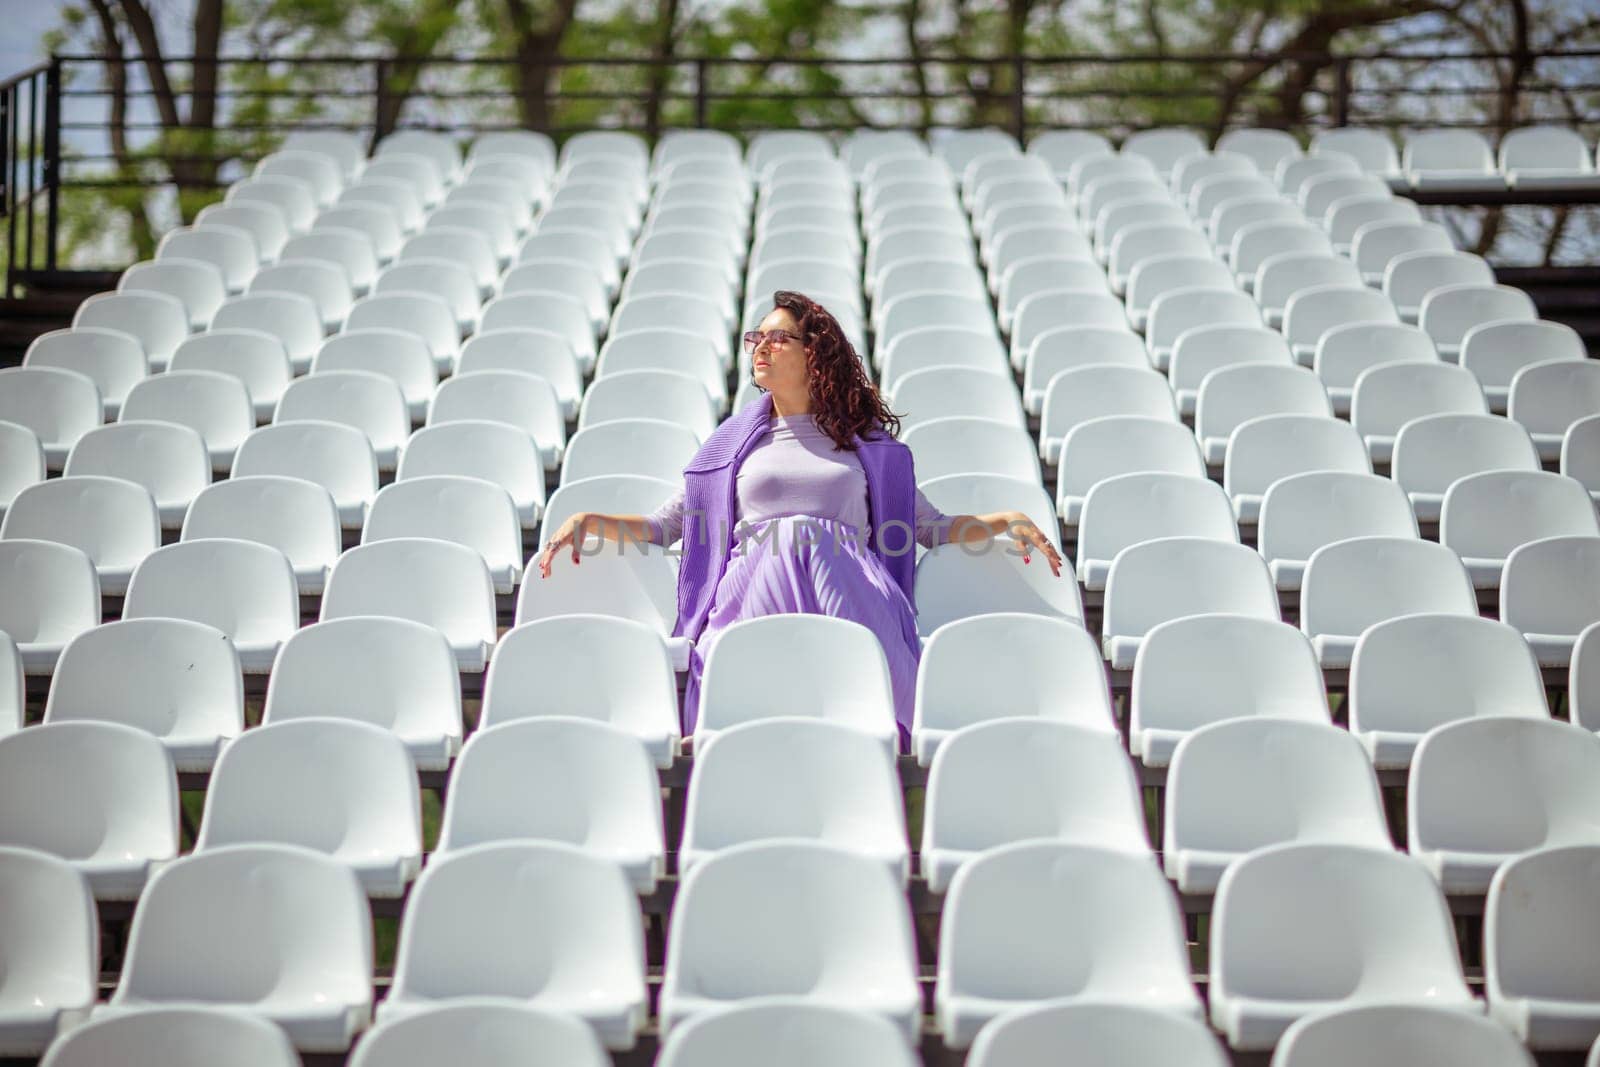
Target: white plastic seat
column 1344, row 352
column 377, row 224
column 464, row 247
column 1361, row 925
column 1230, row 396
column 196, row 284
column 1010, row 780
column 1547, row 398
column 1310, row 313
column 230, row 249
column 1303, row 512
column 849, row 945
column 786, row 1031
column 507, row 194
column 245, row 589
column 1550, row 591
column 515, row 398
column 338, row 787
column 1541, row 945
column 158, row 320
column 344, row 147
column 1455, row 159
column 51, row 594
column 558, row 313
column 795, row 779
column 541, row 353
column 348, row 249
column 443, row 585
column 1417, row 672
column 1108, row 446
column 466, row 511
column 1482, row 791
column 650, row 447
column 368, row 402
column 391, row 673
column 339, row 458
column 444, row 278
column 292, row 318
column 1072, row 347
column 1264, row 449
column 1291, row 174
column 1237, row 785
column 1043, row 312
column 1129, row 508
column 601, row 220
column 325, row 284
column 1201, row 349
column 175, row 1037
column 52, row 954
column 1495, row 351
column 296, row 199
column 21, row 461
column 422, row 313
column 1179, row 311
column 854, row 691
column 1253, row 243
column 553, row 242
column 1194, row 167
column 1039, row 274
column 173, row 678
column 1156, row 581
column 579, row 945
column 1431, row 452
column 954, row 582
column 1062, row 148
column 492, row 452
column 1485, row 516
column 1159, row 275
column 1378, row 243
column 1074, row 397
column 1388, row 396
column 1284, row 274
column 216, row 406
column 893, row 315
column 1547, row 157
column 626, row 494
column 964, row 445
column 112, row 359
column 945, row 392
column 1411, row 276
column 584, row 783
column 265, row 223
column 1353, row 584
column 168, row 460
column 1321, row 192
column 117, row 815
column 1208, row 194
column 572, row 277
column 1007, row 943
column 112, row 521
column 1251, row 666
column 59, row 406
column 296, row 517
column 439, row 147
column 1580, row 455
column 254, row 357
column 669, row 395
column 1163, row 146
column 1139, row 230
column 394, row 354
column 277, row 930
column 1398, row 1033
column 1082, row 1032
column 1448, row 312
column 480, row 1032
column 409, row 183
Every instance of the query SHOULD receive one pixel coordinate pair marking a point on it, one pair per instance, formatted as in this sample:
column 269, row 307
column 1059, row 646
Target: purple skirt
column 828, row 570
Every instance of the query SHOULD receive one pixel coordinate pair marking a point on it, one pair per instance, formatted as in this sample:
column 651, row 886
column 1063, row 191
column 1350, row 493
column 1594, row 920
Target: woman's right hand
column 570, row 533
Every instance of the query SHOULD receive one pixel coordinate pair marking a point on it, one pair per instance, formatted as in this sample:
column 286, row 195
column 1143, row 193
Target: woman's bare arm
column 634, row 528
column 966, row 529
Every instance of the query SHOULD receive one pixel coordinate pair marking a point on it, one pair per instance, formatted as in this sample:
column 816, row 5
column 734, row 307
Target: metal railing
column 30, row 170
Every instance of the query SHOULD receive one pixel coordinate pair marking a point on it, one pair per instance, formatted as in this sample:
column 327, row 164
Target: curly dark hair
column 844, row 401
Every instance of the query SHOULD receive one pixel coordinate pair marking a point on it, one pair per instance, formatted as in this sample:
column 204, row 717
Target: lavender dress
column 815, row 562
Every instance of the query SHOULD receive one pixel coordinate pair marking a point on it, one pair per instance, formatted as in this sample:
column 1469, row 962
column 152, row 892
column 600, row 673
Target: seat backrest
column 447, row 586
column 515, row 398
column 1352, row 584
column 1450, row 150
column 158, row 320
column 338, row 458
column 1552, row 586
column 1252, row 667
column 1447, row 313
column 245, row 589
column 1495, row 351
column 1310, row 313
column 1269, row 447
column 1548, row 947
column 1172, row 577
column 1081, row 1031
column 112, row 521
column 1125, row 444
column 58, row 405
column 1550, row 396
column 1073, row 397
column 764, row 1032
column 1432, row 451
column 1303, row 512
column 51, row 592
column 1486, row 515
column 398, row 355
column 1179, row 310
column 293, row 318
column 1388, row 396
column 1129, row 508
column 175, row 1037
column 112, row 359
column 52, row 939
column 1538, row 148
column 169, row 460
column 372, row 403
column 1283, row 274
column 1231, row 395
column 1200, row 349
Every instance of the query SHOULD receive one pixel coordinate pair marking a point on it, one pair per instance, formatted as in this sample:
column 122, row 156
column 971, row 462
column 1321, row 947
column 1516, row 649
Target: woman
column 818, row 498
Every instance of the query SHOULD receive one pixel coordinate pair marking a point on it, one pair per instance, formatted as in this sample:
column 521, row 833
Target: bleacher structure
column 1298, row 758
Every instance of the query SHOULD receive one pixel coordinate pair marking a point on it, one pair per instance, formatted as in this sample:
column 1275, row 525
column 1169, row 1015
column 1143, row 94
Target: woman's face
column 780, row 366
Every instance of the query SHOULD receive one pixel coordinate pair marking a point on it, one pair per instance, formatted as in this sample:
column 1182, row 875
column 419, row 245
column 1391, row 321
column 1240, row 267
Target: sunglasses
column 754, row 338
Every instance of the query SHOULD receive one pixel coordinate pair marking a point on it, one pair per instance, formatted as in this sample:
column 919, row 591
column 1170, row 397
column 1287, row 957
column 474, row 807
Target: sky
column 26, row 22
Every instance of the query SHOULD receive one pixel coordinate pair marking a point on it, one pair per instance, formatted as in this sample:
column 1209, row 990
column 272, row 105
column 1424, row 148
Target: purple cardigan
column 710, row 485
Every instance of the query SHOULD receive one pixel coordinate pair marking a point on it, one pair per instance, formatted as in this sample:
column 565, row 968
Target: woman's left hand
column 1028, row 536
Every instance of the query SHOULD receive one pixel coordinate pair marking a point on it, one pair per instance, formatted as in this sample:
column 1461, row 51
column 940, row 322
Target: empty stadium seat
column 295, row 200
column 1072, row 347
column 1580, row 455
column 1455, row 159
column 1396, row 1033
column 466, row 511
column 12, row 686
column 1432, row 451
column 479, row 1032
column 1301, row 928
column 1448, row 312
column 1486, row 516
column 278, row 931
column 1220, row 807
column 1100, row 448
column 1345, row 218
column 58, row 406
column 1076, row 396
column 192, row 1036
column 1377, row 244
column 1266, row 448
column 1416, row 672
column 1083, row 1031
column 635, row 692
column 442, row 277
column 954, row 582
column 1309, row 313
column 158, row 320
column 349, row 249
column 292, row 318
column 254, row 357
column 651, row 447
column 1355, row 583
column 1006, row 942
column 112, row 521
column 1483, row 791
column 1252, row 666
column 339, row 458
column 296, row 517
column 443, row 585
column 216, row 406
column 265, row 223
column 394, row 354
column 1202, row 348
column 51, row 594
column 1345, row 352
column 439, row 147
column 1129, row 508
column 541, row 353
column 1283, row 274
column 52, row 955
column 168, row 460
column 849, row 943
column 1495, row 351
column 424, row 314
column 1180, row 311
column 112, row 359
column 231, row 249
column 674, row 396
column 1547, row 157
column 1231, row 396
column 1547, row 398
column 1550, row 591
column 1169, row 578
column 325, row 284
column 392, row 673
column 465, row 247
column 795, row 779
column 100, row 795
column 1164, row 274
column 515, row 398
column 342, row 146
column 245, row 589
column 196, row 284
column 1410, row 277
column 377, row 224
column 21, row 461
column 855, row 691
column 1012, row 779
column 786, row 1031
column 1540, row 947
column 1303, row 512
